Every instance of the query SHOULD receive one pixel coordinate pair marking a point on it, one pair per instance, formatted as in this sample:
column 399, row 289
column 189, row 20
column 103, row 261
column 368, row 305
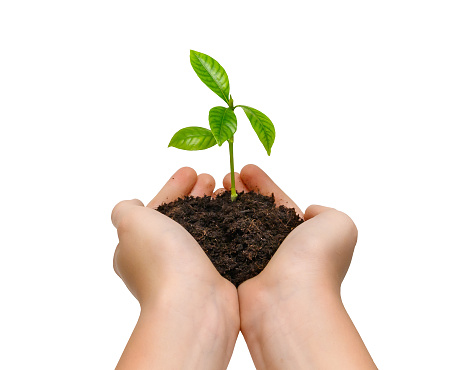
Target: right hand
column 291, row 313
column 314, row 256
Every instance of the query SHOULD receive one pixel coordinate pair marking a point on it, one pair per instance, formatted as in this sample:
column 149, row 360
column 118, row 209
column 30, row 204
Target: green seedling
column 222, row 120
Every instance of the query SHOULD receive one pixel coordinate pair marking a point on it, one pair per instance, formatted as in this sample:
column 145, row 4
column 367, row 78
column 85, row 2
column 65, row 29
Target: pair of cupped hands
column 162, row 264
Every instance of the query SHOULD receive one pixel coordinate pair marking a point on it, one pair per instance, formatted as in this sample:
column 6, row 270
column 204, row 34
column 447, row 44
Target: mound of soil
column 239, row 237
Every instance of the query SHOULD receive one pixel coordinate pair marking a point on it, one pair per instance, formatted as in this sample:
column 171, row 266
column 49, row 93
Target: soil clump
column 239, row 237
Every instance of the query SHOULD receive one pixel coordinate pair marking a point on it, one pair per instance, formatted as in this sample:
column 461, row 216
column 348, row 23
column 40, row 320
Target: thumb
column 122, row 208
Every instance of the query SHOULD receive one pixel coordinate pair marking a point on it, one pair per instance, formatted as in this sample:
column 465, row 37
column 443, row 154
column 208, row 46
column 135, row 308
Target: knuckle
column 128, row 221
column 116, row 210
column 348, row 224
column 119, row 207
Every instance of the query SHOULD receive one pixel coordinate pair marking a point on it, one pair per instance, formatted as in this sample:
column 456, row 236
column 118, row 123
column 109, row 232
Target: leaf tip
column 194, row 53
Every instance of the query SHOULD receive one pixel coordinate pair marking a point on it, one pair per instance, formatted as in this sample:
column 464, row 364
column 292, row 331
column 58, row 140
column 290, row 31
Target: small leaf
column 223, row 123
column 262, row 126
column 193, row 138
column 211, row 73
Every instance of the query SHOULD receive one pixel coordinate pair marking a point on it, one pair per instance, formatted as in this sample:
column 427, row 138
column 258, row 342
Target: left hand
column 157, row 257
column 189, row 313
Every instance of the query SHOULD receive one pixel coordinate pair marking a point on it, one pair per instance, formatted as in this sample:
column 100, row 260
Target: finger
column 114, row 261
column 219, row 192
column 240, row 186
column 122, row 207
column 204, row 186
column 256, row 180
column 179, row 185
column 315, row 210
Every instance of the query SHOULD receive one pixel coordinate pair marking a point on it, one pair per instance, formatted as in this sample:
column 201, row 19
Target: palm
column 167, row 254
column 320, row 248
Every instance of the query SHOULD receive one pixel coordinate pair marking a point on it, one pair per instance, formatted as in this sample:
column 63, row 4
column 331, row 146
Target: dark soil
column 239, row 237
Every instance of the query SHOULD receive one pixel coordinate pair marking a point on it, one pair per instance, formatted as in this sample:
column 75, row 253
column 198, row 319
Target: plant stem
column 231, row 158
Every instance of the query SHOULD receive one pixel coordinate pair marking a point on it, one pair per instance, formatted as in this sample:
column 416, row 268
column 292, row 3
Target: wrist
column 213, row 307
column 189, row 330
column 277, row 323
column 265, row 306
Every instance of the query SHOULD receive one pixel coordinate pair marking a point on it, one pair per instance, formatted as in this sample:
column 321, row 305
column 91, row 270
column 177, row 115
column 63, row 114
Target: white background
column 369, row 100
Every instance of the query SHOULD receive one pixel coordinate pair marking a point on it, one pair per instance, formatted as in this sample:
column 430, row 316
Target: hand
column 318, row 252
column 186, row 304
column 291, row 313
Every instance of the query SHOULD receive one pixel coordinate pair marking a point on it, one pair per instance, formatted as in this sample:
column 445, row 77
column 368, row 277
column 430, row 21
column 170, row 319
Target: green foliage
column 211, row 73
column 262, row 126
column 193, row 138
column 222, row 120
column 223, row 123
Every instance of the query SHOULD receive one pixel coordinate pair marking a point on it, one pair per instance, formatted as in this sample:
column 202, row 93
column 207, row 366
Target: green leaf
column 211, row 73
column 223, row 123
column 262, row 126
column 193, row 138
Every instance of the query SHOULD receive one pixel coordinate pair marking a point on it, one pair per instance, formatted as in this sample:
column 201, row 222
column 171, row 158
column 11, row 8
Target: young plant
column 222, row 120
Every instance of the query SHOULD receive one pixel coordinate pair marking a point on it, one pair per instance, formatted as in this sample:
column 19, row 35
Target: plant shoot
column 222, row 120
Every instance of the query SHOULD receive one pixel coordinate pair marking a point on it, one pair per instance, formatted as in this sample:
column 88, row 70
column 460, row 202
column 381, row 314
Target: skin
column 189, row 313
column 291, row 314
